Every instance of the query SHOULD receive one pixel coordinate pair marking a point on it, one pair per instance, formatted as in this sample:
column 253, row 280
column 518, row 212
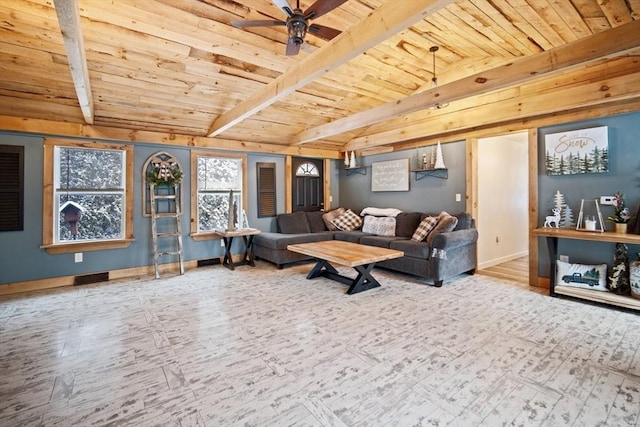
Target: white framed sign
column 577, row 151
column 392, row 175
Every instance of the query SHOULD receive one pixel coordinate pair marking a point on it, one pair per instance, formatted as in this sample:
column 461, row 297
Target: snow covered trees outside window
column 94, row 181
column 216, row 176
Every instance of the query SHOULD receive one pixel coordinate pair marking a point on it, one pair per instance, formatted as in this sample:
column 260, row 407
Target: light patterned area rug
column 261, row 346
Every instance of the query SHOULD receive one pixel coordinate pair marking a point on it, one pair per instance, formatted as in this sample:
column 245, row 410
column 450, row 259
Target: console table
column 553, row 234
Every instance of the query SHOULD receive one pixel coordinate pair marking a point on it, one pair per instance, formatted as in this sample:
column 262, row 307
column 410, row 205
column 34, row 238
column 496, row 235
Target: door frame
column 288, row 168
column 472, row 197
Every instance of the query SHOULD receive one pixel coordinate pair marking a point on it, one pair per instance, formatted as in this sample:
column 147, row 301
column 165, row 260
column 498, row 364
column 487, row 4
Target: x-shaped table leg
column 363, row 281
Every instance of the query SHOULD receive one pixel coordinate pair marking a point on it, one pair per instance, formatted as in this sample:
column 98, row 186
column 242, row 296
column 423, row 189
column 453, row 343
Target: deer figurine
column 555, row 218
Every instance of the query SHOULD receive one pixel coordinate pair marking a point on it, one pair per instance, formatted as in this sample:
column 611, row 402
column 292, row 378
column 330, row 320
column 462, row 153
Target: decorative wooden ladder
column 175, row 230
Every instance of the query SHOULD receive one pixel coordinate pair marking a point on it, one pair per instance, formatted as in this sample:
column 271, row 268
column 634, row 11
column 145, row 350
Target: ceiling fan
column 297, row 22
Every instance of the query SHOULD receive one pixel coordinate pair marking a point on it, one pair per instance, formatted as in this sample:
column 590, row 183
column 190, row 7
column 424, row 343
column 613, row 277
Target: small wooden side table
column 247, row 236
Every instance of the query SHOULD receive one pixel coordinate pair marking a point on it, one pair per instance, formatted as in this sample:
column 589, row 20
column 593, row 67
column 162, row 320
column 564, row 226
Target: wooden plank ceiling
column 179, row 68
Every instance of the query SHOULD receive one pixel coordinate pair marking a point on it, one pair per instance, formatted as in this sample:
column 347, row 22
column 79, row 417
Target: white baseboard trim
column 506, row 258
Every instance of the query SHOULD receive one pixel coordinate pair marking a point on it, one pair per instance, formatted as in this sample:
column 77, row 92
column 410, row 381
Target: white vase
column 352, row 163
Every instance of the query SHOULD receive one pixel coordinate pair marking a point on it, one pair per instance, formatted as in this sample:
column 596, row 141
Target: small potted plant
column 621, row 214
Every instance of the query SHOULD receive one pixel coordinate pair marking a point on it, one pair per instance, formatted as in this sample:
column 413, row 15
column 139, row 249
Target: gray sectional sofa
column 445, row 255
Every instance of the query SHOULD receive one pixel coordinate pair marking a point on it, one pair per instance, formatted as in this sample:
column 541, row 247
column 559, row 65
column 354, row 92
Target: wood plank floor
column 267, row 347
column 516, row 270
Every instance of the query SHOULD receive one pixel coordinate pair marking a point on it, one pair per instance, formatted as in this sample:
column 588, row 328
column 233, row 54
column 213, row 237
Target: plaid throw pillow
column 348, row 221
column 425, row 227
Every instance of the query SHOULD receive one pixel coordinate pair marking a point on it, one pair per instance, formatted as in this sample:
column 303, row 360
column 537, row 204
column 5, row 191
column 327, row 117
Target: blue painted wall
column 429, row 194
column 22, row 259
column 20, row 253
column 623, row 175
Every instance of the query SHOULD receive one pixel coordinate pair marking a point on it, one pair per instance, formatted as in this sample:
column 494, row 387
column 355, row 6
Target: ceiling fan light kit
column 297, row 27
column 297, row 22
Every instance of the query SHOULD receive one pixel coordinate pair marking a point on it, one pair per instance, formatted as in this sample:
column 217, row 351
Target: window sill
column 65, row 248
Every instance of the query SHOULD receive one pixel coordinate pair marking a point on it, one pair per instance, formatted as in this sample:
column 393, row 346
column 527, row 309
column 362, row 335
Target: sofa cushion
column 445, row 224
column 379, row 241
column 424, row 228
column 406, row 223
column 348, row 221
column 293, row 223
column 349, row 236
column 328, row 218
column 316, row 224
column 411, row 248
column 379, row 225
column 279, row 241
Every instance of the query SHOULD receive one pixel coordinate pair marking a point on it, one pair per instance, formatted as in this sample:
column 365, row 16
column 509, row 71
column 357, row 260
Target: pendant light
column 434, row 79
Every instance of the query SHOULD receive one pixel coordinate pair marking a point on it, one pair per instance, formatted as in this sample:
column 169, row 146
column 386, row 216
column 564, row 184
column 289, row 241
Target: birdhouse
column 71, row 213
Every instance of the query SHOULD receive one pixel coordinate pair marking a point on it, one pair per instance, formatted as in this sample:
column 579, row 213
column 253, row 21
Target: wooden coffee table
column 361, row 257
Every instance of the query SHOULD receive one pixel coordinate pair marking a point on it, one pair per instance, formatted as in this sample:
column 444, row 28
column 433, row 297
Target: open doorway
column 503, row 246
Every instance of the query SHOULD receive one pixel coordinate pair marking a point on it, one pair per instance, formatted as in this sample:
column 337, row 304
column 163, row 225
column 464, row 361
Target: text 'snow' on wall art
column 392, row 175
column 577, row 151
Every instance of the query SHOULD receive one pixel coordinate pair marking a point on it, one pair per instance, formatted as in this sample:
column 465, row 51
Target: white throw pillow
column 379, row 225
column 592, row 277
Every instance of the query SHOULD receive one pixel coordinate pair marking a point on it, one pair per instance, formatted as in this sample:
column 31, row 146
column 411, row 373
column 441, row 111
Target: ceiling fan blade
column 323, row 32
column 292, row 47
column 320, row 7
column 283, row 5
column 242, row 24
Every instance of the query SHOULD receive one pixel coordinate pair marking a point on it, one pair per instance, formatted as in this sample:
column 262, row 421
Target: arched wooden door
column 307, row 184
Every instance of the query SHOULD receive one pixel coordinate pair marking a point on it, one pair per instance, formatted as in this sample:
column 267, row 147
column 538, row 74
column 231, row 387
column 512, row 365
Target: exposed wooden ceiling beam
column 615, row 41
column 69, row 20
column 106, row 133
column 591, row 86
column 384, row 22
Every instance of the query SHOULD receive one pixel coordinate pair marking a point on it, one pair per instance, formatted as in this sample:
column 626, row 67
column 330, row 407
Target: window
column 11, row 188
column 214, row 176
column 87, row 197
column 307, row 169
column 266, row 189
